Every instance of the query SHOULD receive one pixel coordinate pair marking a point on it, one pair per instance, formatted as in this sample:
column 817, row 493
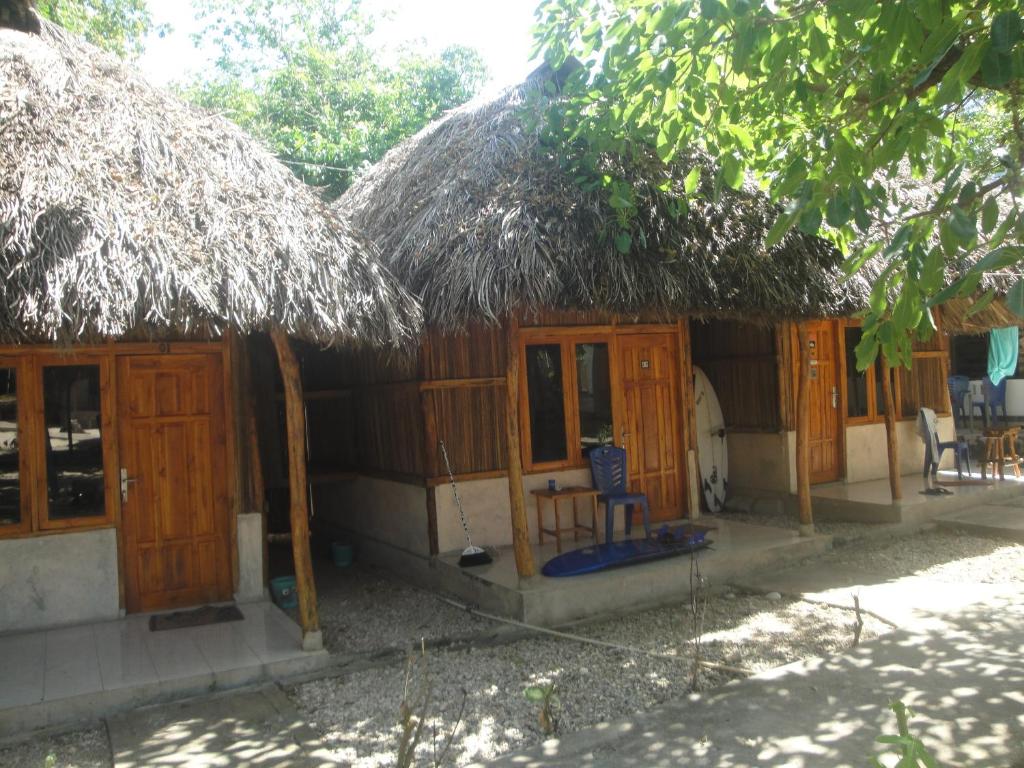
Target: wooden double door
column 647, row 417
column 823, row 402
column 173, row 480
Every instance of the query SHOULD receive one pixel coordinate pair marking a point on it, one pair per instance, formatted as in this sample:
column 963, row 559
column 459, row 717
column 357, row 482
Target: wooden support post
column 689, row 418
column 803, row 434
column 295, row 413
column 520, row 525
column 890, row 432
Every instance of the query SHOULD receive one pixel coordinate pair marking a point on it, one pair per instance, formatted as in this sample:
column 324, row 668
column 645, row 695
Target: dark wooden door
column 173, row 455
column 823, row 403
column 648, row 421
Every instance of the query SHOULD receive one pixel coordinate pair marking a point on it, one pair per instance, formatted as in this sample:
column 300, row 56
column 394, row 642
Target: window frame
column 566, row 341
column 874, row 416
column 34, row 498
column 22, row 369
column 108, row 444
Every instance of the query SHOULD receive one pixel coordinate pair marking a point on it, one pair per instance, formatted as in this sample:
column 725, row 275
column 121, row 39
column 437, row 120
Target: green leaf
column 962, row 225
column 779, row 229
column 981, row 303
column 996, row 68
column 623, row 242
column 732, row 171
column 1006, row 31
column 1015, row 298
column 692, row 180
column 534, row 693
column 989, row 215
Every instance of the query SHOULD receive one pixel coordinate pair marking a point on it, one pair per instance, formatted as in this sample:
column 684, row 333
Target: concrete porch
column 60, row 675
column 870, row 501
column 736, row 549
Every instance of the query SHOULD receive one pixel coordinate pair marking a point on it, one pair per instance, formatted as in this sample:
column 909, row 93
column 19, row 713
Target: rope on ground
column 593, row 641
column 857, row 610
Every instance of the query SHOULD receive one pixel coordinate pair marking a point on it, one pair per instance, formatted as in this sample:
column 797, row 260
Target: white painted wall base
column 64, row 578
column 250, row 557
column 385, row 510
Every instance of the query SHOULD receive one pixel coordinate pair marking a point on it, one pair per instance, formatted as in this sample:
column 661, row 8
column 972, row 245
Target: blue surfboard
column 619, row 554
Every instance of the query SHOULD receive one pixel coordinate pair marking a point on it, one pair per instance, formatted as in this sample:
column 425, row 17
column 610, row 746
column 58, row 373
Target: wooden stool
column 576, row 528
column 996, row 443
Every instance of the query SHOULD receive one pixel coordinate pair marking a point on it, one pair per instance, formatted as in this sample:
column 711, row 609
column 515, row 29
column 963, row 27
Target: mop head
column 473, row 556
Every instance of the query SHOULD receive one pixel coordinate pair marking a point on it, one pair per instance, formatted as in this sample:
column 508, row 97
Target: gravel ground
column 943, row 556
column 78, row 749
column 362, row 610
column 358, row 715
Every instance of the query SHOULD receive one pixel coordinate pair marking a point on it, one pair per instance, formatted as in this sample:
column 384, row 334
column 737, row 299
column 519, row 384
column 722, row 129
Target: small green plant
column 544, row 695
column 910, row 749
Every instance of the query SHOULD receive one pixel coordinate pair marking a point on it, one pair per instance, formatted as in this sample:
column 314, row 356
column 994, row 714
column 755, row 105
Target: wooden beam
column 803, row 433
column 890, row 432
column 689, row 418
column 295, row 416
column 520, row 526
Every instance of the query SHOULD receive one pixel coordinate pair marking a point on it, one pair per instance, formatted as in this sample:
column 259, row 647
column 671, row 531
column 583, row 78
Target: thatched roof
column 475, row 216
column 908, row 195
column 124, row 210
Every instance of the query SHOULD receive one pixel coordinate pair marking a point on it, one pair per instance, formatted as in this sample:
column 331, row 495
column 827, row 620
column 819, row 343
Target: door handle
column 625, row 434
column 835, row 397
column 125, row 482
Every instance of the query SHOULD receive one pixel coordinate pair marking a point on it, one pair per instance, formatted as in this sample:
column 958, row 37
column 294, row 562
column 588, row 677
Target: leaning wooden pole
column 891, row 444
column 803, row 433
column 520, row 526
column 295, row 415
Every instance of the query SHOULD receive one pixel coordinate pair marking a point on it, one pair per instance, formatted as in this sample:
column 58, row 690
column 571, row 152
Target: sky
column 498, row 29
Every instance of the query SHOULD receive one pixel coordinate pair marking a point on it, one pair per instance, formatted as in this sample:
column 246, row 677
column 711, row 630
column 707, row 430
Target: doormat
column 197, row 617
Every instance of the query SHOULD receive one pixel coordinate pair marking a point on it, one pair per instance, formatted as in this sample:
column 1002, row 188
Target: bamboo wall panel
column 471, row 421
column 389, row 430
column 740, row 361
column 477, row 353
column 923, row 386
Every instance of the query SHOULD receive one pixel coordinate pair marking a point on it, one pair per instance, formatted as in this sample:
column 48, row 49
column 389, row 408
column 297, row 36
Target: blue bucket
column 341, row 554
column 282, row 589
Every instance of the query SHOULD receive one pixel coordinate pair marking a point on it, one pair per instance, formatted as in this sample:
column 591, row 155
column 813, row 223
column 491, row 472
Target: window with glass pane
column 593, row 390
column 547, row 408
column 10, row 492
column 856, row 382
column 74, row 447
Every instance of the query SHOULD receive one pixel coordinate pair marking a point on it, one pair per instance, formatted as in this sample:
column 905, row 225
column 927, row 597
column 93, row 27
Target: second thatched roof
column 124, row 210
column 475, row 216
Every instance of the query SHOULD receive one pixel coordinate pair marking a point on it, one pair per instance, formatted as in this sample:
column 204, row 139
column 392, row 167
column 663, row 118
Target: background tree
column 827, row 105
column 119, row 26
column 304, row 76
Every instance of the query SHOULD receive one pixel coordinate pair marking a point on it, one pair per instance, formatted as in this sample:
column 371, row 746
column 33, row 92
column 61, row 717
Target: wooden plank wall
column 740, row 360
column 925, row 384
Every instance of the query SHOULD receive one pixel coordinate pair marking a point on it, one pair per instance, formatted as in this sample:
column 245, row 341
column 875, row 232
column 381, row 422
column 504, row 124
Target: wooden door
column 175, row 523
column 823, row 402
column 648, row 420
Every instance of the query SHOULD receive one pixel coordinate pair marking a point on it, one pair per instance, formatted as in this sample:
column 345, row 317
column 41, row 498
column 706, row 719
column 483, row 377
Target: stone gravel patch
column 76, row 749
column 358, row 715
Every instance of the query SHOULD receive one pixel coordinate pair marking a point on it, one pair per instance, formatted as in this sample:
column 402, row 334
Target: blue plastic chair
column 959, row 391
column 995, row 397
column 961, row 453
column 608, row 472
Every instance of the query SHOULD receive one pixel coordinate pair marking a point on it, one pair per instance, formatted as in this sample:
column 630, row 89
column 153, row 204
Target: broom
column 470, row 555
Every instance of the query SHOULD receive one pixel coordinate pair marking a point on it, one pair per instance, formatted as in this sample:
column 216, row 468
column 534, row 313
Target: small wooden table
column 573, row 493
column 997, row 441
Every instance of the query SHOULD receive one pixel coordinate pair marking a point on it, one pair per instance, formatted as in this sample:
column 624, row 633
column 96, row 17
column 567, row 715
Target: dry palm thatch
column 124, row 211
column 476, row 216
column 907, row 196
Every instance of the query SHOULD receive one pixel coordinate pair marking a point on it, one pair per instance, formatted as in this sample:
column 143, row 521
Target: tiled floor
column 123, row 662
column 877, row 491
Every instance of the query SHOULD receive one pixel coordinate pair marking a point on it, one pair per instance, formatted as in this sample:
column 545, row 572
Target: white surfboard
column 712, row 453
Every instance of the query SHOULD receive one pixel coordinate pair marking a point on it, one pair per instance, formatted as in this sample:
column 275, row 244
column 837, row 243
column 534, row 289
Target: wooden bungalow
column 545, row 340
column 143, row 241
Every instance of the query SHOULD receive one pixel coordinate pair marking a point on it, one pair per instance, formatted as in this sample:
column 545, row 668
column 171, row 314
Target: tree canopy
column 305, row 76
column 119, row 26
column 832, row 107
